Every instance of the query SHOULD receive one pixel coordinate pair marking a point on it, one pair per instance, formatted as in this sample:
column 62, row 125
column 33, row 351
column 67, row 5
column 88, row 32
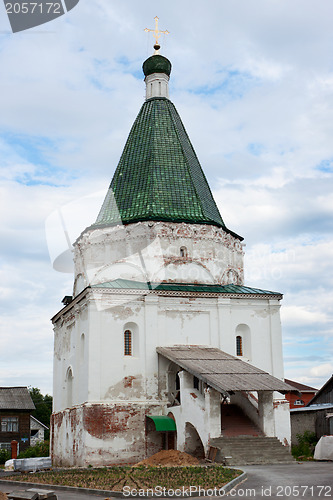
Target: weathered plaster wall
column 151, row 250
column 89, row 340
column 282, row 425
column 202, row 411
column 103, row 434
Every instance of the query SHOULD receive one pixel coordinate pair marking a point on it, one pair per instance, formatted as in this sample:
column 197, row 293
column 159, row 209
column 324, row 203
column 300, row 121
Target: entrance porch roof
column 222, row 371
column 163, row 423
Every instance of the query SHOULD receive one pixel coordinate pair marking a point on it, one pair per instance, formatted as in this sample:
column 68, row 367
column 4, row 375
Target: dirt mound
column 170, row 458
column 3, row 496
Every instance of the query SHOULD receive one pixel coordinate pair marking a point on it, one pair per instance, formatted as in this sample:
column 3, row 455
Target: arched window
column 69, row 384
column 239, row 345
column 243, row 341
column 183, row 251
column 128, row 343
column 82, row 342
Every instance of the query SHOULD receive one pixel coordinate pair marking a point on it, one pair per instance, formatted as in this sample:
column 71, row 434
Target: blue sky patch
column 232, row 84
column 325, row 166
column 34, row 151
column 255, row 148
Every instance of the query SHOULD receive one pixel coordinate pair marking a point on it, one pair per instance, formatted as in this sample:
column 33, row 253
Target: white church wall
column 154, row 321
column 202, row 411
column 69, row 359
column 105, row 382
column 152, row 250
column 261, row 318
column 274, row 414
column 282, row 424
column 118, row 376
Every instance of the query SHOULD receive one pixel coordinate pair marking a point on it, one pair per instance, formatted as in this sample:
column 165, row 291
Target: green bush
column 39, row 450
column 306, row 445
column 4, row 456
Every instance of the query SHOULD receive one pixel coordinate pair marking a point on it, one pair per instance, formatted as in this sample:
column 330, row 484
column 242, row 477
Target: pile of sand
column 170, row 458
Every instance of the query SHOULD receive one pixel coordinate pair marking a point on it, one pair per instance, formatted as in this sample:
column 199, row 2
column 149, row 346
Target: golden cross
column 157, row 34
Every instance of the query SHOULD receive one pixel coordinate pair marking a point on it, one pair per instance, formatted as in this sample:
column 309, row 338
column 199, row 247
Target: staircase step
column 243, row 443
column 250, row 450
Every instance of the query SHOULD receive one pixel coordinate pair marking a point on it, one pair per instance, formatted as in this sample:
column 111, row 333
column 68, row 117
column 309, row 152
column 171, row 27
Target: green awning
column 163, row 423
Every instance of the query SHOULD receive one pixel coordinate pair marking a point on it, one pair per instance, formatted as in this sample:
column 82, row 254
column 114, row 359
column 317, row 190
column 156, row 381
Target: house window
column 9, row 424
column 5, row 446
column 183, row 251
column 128, row 343
column 239, row 345
column 298, row 402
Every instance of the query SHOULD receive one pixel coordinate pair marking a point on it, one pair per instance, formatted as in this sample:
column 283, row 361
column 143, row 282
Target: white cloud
column 299, row 316
column 325, row 370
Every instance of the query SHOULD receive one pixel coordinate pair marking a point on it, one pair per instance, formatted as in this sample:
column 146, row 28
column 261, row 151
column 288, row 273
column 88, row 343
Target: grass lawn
column 116, row 478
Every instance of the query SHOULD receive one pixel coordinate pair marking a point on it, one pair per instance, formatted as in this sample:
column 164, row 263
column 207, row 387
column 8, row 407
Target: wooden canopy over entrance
column 221, row 371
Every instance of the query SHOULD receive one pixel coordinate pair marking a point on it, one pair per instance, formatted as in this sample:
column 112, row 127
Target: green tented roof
column 181, row 287
column 163, row 423
column 159, row 176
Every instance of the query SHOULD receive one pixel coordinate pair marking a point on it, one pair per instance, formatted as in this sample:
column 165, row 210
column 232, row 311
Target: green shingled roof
column 122, row 284
column 159, row 176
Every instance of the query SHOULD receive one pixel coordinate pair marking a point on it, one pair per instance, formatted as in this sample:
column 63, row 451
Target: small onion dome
column 156, row 64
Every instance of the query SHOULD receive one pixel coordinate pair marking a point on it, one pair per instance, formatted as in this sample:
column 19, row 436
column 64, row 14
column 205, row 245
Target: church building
column 161, row 344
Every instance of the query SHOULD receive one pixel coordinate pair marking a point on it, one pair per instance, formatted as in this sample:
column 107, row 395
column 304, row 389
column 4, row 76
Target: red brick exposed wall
column 106, row 423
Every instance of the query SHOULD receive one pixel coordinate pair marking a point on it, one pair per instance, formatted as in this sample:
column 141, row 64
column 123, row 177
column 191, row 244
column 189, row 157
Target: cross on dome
column 157, row 33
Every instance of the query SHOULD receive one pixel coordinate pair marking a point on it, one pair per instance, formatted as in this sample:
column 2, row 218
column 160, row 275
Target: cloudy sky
column 253, row 83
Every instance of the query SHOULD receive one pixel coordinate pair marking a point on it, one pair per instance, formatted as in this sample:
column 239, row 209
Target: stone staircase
column 243, row 443
column 234, row 422
column 250, row 450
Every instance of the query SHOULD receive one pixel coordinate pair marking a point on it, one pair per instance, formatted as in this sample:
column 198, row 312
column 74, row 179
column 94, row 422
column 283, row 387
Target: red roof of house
column 300, row 387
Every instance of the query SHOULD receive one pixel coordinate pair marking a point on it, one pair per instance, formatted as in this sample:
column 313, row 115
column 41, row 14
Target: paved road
column 304, row 480
column 308, row 481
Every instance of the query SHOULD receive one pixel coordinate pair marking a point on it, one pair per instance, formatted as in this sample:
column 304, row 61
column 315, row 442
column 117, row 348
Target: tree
column 43, row 406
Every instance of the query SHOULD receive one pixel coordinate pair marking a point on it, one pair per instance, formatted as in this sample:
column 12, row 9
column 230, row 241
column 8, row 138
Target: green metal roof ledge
column 180, row 287
column 163, row 423
column 159, row 176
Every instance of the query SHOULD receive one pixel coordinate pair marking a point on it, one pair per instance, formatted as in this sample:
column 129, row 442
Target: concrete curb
column 57, row 487
column 88, row 491
column 235, row 482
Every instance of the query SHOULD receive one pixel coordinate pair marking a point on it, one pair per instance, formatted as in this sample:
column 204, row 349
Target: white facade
column 156, row 252
column 101, row 388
